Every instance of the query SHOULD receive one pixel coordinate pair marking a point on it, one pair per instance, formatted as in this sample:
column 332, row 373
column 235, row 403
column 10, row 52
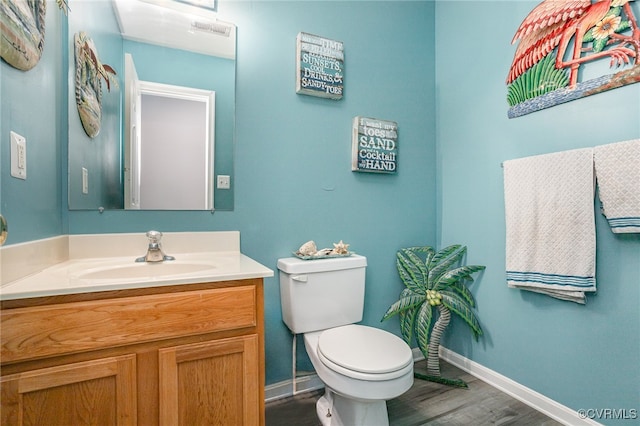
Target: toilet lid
column 364, row 349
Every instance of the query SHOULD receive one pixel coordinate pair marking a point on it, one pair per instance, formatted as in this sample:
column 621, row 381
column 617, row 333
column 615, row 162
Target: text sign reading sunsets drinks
column 320, row 66
column 374, row 145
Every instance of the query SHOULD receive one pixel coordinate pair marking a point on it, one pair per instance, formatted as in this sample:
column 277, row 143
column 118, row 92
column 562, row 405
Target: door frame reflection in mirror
column 180, row 174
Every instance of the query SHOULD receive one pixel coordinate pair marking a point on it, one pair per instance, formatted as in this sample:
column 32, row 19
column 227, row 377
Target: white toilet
column 362, row 367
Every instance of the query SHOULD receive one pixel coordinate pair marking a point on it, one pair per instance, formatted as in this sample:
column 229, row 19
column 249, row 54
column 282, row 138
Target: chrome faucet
column 154, row 252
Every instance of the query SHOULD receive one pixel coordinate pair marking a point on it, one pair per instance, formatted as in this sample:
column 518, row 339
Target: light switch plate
column 85, row 181
column 18, row 156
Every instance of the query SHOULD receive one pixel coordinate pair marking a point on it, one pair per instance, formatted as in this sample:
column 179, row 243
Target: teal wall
column 582, row 356
column 34, row 106
column 98, row 154
column 293, row 159
column 293, row 180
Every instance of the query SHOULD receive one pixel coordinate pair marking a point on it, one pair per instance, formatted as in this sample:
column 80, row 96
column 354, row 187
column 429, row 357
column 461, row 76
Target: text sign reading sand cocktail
column 374, row 145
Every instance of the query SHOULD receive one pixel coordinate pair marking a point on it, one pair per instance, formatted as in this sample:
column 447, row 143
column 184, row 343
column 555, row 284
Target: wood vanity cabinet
column 178, row 355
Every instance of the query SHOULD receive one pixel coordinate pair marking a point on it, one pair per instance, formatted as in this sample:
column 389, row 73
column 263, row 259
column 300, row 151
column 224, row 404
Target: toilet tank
column 323, row 293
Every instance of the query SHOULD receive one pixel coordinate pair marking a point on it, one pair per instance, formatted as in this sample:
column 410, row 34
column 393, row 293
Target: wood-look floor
column 426, row 403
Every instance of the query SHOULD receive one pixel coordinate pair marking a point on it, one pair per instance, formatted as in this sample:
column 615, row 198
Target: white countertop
column 69, row 277
column 106, row 272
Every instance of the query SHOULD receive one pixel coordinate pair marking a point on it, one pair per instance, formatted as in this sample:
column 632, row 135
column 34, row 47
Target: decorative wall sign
column 546, row 68
column 89, row 74
column 22, row 23
column 319, row 66
column 374, row 145
column 88, row 87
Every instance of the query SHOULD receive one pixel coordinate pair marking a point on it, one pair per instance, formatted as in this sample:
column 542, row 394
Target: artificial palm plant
column 433, row 281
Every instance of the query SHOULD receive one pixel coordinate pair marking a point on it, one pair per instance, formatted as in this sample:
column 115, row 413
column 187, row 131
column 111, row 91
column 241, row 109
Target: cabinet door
column 97, row 392
column 210, row 383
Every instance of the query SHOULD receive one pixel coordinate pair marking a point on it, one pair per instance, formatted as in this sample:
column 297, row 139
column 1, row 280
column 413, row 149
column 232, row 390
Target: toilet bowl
column 362, row 367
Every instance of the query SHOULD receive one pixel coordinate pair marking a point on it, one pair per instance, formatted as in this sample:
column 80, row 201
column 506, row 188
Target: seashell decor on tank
column 340, row 248
column 309, row 250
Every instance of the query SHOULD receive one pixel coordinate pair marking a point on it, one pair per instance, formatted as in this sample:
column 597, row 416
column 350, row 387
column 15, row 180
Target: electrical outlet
column 224, row 182
column 18, row 156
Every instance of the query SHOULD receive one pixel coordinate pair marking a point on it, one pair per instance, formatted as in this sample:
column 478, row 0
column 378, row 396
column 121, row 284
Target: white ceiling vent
column 197, row 30
column 216, row 28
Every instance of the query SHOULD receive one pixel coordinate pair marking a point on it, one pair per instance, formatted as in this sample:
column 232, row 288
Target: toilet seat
column 364, row 353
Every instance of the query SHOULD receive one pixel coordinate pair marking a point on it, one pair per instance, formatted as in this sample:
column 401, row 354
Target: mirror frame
column 110, row 196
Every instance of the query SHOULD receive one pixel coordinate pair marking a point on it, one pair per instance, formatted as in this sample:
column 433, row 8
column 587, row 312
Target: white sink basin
column 106, row 262
column 144, row 270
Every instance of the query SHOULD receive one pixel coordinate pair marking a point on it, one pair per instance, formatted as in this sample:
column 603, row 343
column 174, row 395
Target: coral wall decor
column 89, row 74
column 558, row 39
column 22, row 23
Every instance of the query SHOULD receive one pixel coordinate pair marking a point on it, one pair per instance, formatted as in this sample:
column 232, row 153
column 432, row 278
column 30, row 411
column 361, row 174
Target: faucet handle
column 154, row 236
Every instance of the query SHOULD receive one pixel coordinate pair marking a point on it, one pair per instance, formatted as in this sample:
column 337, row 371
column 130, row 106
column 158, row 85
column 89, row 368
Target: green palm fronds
column 462, row 291
column 407, row 321
column 459, row 306
column 541, row 78
column 411, row 269
column 423, row 327
column 433, row 281
column 406, row 302
column 443, row 260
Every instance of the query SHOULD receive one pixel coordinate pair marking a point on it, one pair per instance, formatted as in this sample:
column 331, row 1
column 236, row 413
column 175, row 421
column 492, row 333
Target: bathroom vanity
column 185, row 349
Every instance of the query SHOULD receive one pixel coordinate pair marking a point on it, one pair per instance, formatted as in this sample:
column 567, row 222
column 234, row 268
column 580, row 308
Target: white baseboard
column 530, row 397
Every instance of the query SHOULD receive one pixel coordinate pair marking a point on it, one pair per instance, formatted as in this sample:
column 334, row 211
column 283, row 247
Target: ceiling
column 177, row 25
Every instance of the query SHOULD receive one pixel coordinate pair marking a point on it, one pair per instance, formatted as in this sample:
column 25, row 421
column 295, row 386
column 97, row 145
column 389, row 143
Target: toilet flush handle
column 300, row 278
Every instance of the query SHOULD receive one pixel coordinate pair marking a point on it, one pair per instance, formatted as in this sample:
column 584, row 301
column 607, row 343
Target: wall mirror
column 173, row 46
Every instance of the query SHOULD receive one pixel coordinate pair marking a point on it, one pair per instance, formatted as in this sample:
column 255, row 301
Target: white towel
column 550, row 224
column 618, row 174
